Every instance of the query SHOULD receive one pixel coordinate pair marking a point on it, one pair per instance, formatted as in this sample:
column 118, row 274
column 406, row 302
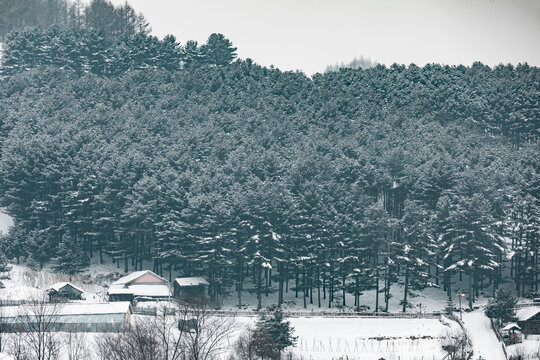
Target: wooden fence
column 330, row 314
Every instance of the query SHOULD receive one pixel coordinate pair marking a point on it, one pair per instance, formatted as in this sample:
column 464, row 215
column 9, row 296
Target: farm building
column 76, row 317
column 2, row 286
column 140, row 285
column 529, row 319
column 189, row 287
column 64, row 291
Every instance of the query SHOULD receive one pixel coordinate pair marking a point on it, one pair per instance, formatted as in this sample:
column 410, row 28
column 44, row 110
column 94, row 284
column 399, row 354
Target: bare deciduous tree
column 170, row 335
column 457, row 345
column 40, row 329
column 149, row 338
column 244, row 348
column 75, row 346
column 209, row 338
column 194, row 333
column 139, row 343
column 16, row 347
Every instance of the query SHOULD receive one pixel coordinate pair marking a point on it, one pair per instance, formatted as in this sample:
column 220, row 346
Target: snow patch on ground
column 5, row 222
column 428, row 300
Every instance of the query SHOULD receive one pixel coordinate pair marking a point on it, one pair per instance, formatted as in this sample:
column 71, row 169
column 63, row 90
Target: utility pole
column 461, row 296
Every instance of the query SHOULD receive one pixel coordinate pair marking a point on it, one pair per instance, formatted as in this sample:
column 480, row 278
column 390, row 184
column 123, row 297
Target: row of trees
column 114, row 21
column 88, row 50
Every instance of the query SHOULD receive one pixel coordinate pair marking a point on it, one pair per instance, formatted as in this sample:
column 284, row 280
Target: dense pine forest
column 123, row 147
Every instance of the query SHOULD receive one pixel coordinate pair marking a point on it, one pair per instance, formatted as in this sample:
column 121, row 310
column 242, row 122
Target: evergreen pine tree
column 191, row 54
column 415, row 249
column 502, row 306
column 70, row 257
column 218, row 50
column 277, row 329
column 4, row 266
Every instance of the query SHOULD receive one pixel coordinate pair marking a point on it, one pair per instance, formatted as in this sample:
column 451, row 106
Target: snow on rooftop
column 72, row 309
column 161, row 290
column 60, row 285
column 128, row 278
column 527, row 313
column 511, row 326
column 191, row 281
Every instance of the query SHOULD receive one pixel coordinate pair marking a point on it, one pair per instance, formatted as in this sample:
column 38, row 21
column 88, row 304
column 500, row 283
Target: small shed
column 140, row 285
column 70, row 317
column 511, row 334
column 186, row 288
column 2, row 286
column 528, row 319
column 63, row 291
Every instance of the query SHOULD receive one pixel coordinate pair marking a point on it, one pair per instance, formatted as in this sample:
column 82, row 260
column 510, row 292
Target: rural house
column 186, row 288
column 529, row 319
column 139, row 285
column 69, row 317
column 64, row 291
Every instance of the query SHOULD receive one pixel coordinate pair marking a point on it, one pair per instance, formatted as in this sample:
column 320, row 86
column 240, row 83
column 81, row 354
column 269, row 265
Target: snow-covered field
column 372, row 338
column 322, row 338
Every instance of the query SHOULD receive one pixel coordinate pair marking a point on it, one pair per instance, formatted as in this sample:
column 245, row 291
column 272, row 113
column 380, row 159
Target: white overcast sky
column 311, row 34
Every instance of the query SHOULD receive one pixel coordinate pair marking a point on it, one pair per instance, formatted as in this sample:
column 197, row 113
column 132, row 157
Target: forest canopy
column 147, row 149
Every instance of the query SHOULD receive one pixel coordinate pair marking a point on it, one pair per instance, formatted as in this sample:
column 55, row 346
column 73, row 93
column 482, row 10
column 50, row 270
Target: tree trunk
column 357, row 294
column 377, row 290
column 470, row 292
column 344, row 278
column 406, row 289
column 259, row 290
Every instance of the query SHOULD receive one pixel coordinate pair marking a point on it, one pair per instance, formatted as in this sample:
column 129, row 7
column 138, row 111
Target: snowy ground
column 406, row 339
column 485, row 342
column 429, row 300
column 350, row 338
column 5, row 222
column 25, row 284
column 529, row 349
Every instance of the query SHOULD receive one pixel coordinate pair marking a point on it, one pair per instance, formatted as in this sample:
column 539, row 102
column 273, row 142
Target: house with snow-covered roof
column 139, row 285
column 528, row 318
column 186, row 288
column 64, row 291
